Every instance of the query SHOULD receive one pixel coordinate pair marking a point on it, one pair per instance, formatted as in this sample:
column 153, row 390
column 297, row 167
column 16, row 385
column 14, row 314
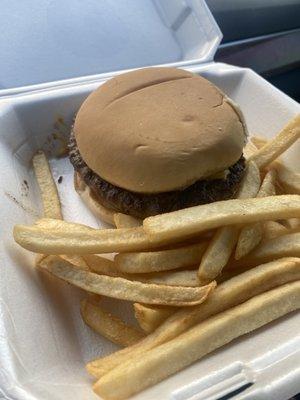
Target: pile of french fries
column 198, row 278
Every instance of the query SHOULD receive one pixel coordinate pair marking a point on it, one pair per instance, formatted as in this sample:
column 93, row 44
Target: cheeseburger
column 157, row 140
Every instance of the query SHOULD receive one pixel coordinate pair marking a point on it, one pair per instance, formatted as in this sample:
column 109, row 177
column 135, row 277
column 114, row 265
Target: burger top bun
column 158, row 129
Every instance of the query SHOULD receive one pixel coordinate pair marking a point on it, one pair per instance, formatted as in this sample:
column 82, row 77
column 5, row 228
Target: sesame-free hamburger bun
column 158, row 139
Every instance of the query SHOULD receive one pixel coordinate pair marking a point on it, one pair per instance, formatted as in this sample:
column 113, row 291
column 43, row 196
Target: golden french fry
column 258, row 141
column 217, row 253
column 74, row 239
column 279, row 144
column 157, row 364
column 57, row 224
column 104, row 266
column 282, row 246
column 249, row 150
column 268, row 186
column 51, row 204
column 126, row 221
column 101, row 265
column 288, row 180
column 108, row 325
column 251, row 235
column 124, row 289
column 170, row 278
column 50, row 199
column 250, row 184
column 228, row 294
column 272, row 229
column 150, row 317
column 223, row 242
column 192, row 221
column 293, row 224
column 75, row 260
column 162, row 260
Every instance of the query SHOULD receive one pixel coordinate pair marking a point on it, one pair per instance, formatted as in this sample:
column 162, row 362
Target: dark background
column 263, row 35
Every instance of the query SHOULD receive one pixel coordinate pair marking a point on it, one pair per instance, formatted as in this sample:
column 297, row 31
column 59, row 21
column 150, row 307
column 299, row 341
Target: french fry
column 223, row 242
column 108, row 325
column 218, row 253
column 228, row 294
column 126, row 221
column 170, row 278
column 268, row 186
column 150, row 317
column 258, row 141
column 162, row 229
column 288, row 180
column 51, row 204
column 104, row 266
column 124, row 289
column 281, row 142
column 144, row 262
column 48, row 189
column 293, row 224
column 57, row 224
column 101, row 265
column 75, row 260
column 157, row 364
column 250, row 184
column 272, row 229
column 75, row 239
column 251, row 235
column 50, row 223
column 282, row 246
column 249, row 150
column 194, row 220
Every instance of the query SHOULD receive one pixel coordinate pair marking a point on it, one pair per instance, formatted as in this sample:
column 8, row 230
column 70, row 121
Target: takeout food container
column 44, row 343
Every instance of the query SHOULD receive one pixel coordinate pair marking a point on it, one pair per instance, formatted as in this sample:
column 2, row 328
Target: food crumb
column 60, row 179
column 24, row 188
column 25, row 208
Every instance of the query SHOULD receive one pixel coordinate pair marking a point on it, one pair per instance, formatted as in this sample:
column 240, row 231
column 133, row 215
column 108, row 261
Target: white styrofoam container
column 44, row 344
column 71, row 41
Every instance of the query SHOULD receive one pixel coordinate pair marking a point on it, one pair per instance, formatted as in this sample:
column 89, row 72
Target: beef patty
column 142, row 205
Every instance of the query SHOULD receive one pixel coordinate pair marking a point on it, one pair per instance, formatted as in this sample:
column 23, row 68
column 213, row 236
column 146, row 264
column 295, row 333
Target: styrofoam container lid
column 52, row 40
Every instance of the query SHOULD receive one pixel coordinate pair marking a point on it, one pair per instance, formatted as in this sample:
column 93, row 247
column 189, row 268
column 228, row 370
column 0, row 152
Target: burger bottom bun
column 101, row 212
